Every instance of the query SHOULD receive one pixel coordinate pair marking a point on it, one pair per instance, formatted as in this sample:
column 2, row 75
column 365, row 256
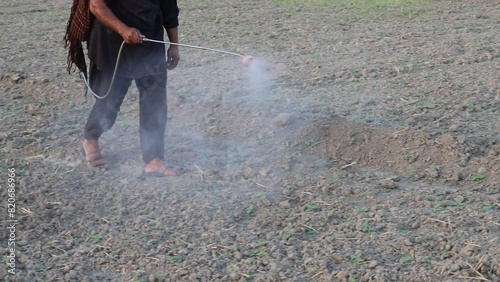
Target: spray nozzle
column 246, row 60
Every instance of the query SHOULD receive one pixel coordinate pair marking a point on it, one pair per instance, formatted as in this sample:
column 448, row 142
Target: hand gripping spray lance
column 245, row 60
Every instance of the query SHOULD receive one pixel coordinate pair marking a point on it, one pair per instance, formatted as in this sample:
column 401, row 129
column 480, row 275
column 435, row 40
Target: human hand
column 131, row 36
column 173, row 57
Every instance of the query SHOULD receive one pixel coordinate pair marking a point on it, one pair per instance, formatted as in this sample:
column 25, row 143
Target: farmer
column 144, row 62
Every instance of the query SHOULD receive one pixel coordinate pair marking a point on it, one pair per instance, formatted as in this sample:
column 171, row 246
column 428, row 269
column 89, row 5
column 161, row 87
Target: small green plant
column 160, row 277
column 141, row 212
column 351, row 141
column 434, row 166
column 250, row 209
column 163, row 195
column 351, row 87
column 440, row 192
column 407, row 155
column 367, row 176
column 470, row 104
column 457, row 204
column 489, row 207
column 356, row 74
column 334, row 178
column 478, row 177
column 311, row 207
column 394, row 114
column 186, row 244
column 73, row 238
column 232, row 248
column 140, row 273
column 311, row 143
column 260, row 195
column 6, row 266
column 40, row 268
column 441, row 205
column 261, row 244
column 45, row 102
column 352, row 279
column 96, row 238
column 174, row 259
column 115, row 253
column 426, row 259
column 365, row 227
column 360, row 210
column 258, row 254
column 288, row 234
column 153, row 223
column 489, row 134
column 437, row 101
column 333, row 237
column 406, row 260
column 233, row 269
column 309, row 231
column 372, row 102
column 357, row 258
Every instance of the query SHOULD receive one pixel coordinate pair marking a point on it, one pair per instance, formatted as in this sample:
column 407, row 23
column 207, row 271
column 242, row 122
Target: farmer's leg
column 103, row 114
column 153, row 120
column 153, row 115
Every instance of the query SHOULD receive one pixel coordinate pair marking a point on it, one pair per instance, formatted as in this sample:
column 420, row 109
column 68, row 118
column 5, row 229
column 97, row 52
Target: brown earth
column 372, row 155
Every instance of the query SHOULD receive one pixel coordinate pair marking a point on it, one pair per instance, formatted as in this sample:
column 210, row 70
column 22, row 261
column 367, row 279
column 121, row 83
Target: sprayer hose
column 112, row 79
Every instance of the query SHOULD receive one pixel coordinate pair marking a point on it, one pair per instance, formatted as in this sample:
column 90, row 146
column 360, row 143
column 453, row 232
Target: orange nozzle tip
column 245, row 60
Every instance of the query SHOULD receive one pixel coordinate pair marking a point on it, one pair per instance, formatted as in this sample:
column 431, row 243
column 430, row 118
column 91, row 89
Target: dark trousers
column 152, row 104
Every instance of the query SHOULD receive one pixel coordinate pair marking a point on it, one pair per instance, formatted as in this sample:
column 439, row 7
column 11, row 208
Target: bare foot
column 93, row 154
column 157, row 168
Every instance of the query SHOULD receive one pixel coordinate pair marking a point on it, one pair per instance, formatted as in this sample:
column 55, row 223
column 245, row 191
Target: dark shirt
column 149, row 17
